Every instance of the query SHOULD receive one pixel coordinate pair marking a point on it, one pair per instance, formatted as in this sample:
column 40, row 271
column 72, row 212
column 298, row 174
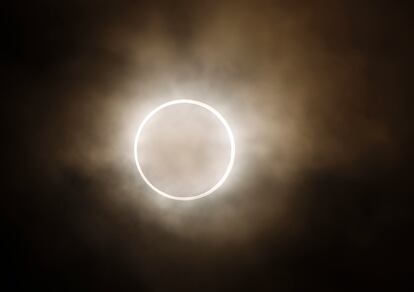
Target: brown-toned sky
column 316, row 92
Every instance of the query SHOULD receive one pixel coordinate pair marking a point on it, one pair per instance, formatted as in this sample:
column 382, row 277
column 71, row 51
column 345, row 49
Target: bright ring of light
column 231, row 140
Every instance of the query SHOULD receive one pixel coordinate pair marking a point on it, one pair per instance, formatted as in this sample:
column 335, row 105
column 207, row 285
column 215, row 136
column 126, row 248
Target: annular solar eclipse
column 221, row 119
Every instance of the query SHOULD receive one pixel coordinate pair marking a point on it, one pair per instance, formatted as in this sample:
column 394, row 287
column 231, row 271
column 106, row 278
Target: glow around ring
column 229, row 133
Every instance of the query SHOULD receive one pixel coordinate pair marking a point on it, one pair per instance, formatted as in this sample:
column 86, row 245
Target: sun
column 231, row 157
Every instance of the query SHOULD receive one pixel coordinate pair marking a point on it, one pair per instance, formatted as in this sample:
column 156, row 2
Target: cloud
column 310, row 90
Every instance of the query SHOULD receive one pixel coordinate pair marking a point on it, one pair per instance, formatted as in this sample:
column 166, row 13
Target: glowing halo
column 231, row 140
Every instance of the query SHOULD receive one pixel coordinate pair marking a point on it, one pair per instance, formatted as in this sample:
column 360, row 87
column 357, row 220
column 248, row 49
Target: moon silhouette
column 230, row 163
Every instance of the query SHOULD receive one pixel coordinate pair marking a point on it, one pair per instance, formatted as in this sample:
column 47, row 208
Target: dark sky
column 319, row 94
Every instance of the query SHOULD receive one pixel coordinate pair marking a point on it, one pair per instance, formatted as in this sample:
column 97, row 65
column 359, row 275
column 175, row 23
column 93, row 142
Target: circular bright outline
column 230, row 136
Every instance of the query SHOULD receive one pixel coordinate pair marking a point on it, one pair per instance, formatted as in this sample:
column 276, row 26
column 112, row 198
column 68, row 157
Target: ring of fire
column 230, row 137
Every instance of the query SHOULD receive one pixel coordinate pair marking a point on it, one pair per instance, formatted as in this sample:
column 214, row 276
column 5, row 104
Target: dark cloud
column 318, row 95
